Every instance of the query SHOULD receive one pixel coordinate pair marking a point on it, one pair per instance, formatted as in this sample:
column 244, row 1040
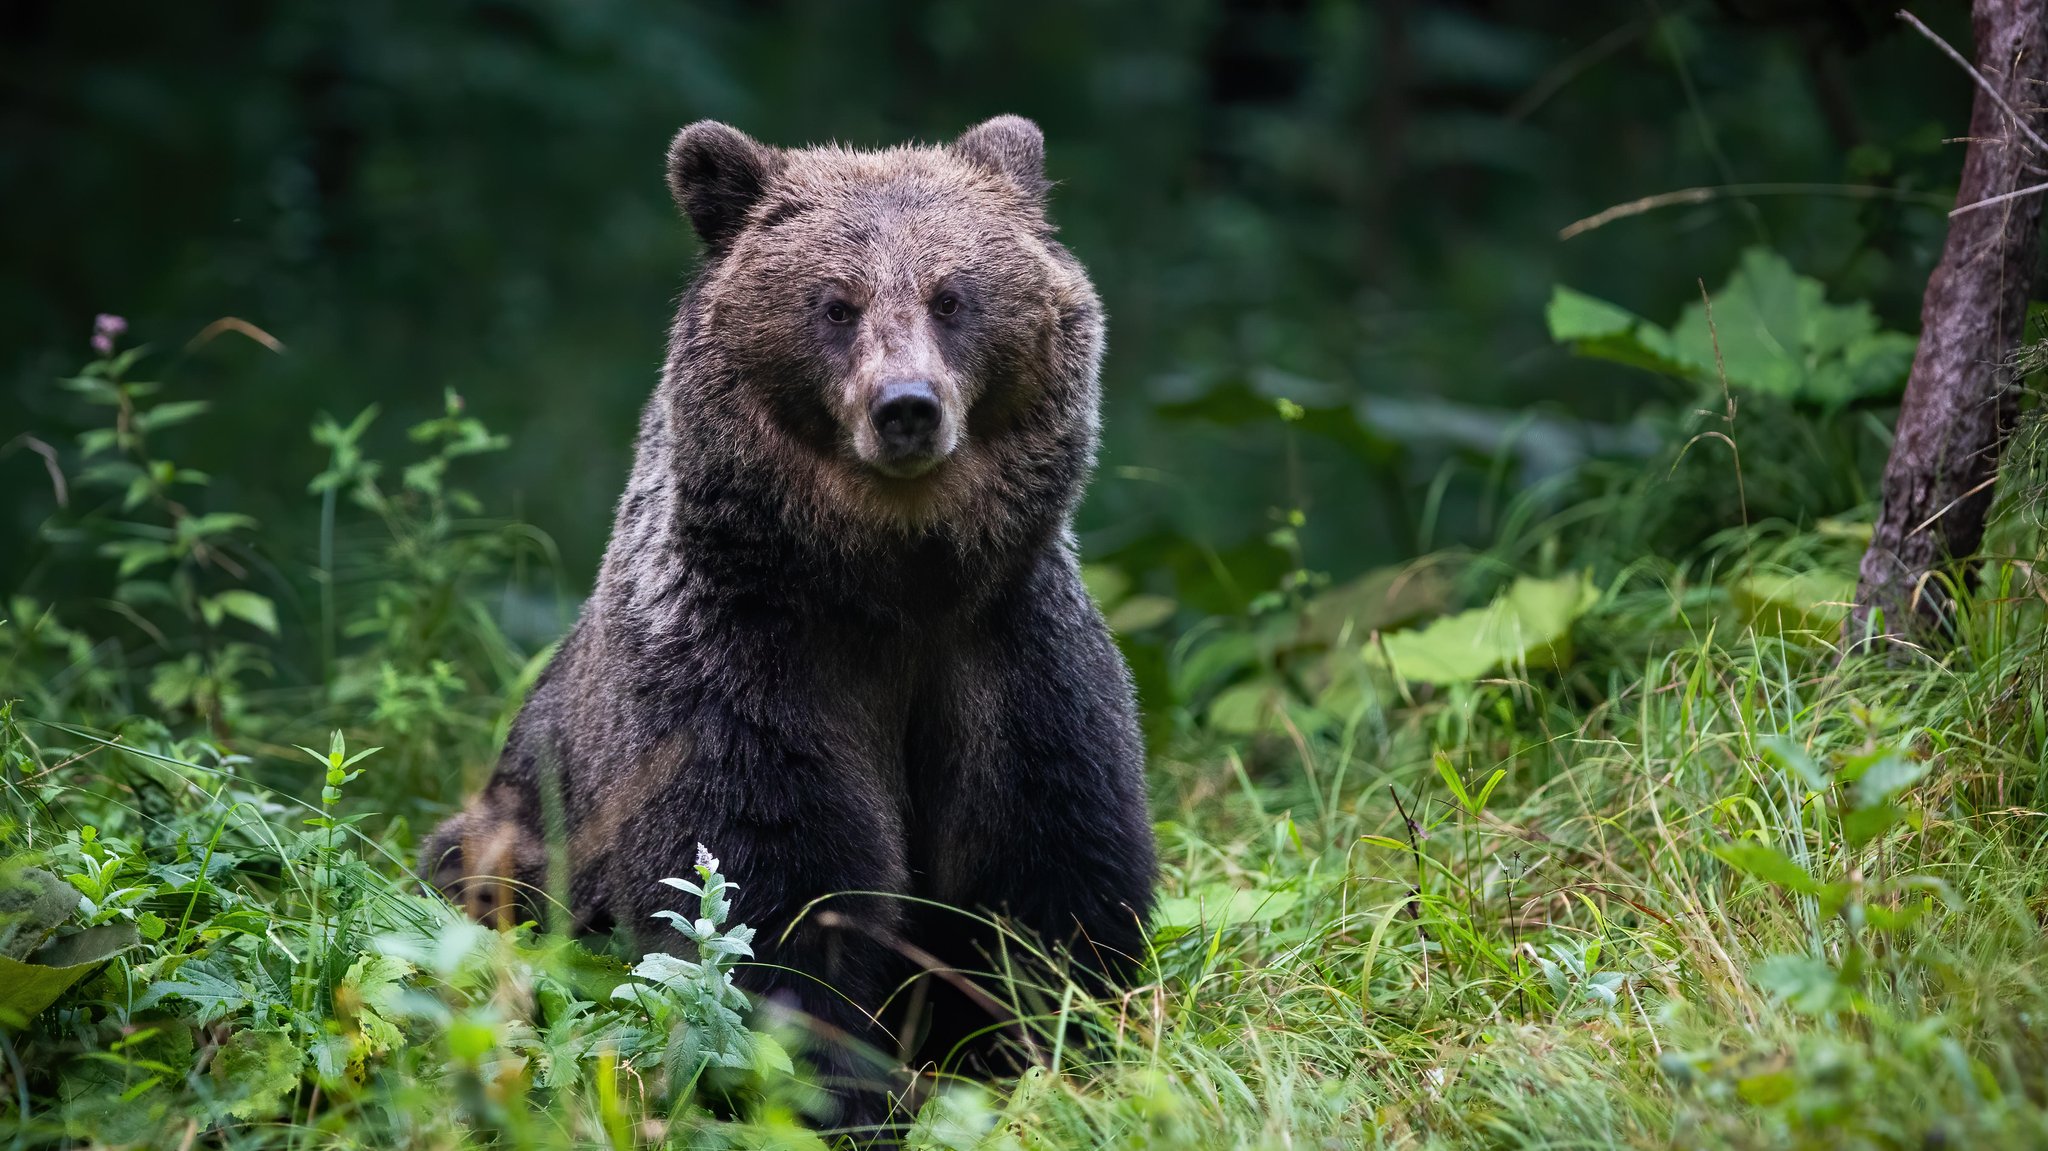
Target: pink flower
column 105, row 327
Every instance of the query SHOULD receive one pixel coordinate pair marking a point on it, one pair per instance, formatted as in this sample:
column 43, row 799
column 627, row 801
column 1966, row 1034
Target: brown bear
column 840, row 636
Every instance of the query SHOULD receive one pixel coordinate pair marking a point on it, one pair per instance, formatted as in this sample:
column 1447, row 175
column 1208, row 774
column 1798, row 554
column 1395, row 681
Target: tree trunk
column 1959, row 401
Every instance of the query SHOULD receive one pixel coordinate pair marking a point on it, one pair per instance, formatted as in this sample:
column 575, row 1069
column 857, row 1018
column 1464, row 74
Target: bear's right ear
column 716, row 174
column 1008, row 146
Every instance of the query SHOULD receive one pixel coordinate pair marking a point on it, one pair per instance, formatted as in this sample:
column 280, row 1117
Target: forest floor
column 1670, row 869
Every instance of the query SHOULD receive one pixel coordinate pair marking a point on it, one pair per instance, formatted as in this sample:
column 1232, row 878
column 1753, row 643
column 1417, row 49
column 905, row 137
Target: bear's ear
column 1010, row 146
column 715, row 174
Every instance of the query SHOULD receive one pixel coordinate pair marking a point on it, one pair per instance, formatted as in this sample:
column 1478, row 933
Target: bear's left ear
column 1010, row 146
column 716, row 174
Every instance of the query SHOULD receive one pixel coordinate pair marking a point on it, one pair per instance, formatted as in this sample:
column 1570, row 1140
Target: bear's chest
column 920, row 735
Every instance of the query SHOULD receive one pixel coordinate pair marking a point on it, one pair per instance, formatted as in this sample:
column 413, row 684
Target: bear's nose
column 906, row 417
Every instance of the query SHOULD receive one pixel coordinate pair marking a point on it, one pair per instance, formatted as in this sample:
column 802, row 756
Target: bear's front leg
column 805, row 840
column 1034, row 806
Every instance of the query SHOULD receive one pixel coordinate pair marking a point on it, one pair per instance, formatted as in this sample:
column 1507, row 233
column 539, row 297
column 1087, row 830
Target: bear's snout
column 907, row 420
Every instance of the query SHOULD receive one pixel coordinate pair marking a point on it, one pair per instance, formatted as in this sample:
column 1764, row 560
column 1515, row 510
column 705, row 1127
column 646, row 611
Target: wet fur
column 836, row 681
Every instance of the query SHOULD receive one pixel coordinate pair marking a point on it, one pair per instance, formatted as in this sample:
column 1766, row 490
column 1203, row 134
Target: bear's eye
column 946, row 305
column 838, row 312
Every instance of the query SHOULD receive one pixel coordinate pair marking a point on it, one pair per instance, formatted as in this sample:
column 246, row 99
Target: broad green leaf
column 1865, row 824
column 1795, row 758
column 1768, row 864
column 214, row 993
column 250, row 608
column 29, row 986
column 1777, row 603
column 1486, row 789
column 1771, row 332
column 255, row 1072
column 370, row 993
column 1245, row 708
column 1375, row 601
column 1108, row 585
column 1529, row 625
column 1141, row 612
column 1578, row 316
column 1801, row 982
column 1217, row 904
column 1602, row 331
column 1219, row 656
column 1889, row 775
column 1767, row 1088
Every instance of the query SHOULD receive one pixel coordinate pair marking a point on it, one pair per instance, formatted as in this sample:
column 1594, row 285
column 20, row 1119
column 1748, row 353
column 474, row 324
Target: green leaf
column 1141, row 613
column 1220, row 656
column 1451, row 780
column 1373, row 602
column 1486, row 790
column 256, row 610
column 1106, row 584
column 1891, row 774
column 1768, row 864
column 213, row 524
column 255, row 1072
column 215, row 993
column 1599, row 330
column 1217, row 904
column 29, row 986
column 1578, row 316
column 1772, row 332
column 1529, row 625
column 1251, row 708
column 1767, row 1089
column 372, row 991
column 1801, row 982
column 1777, row 603
column 167, row 414
column 1865, row 824
column 1794, row 757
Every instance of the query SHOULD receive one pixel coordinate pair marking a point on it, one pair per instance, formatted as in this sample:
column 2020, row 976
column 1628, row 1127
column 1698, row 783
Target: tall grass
column 1710, row 882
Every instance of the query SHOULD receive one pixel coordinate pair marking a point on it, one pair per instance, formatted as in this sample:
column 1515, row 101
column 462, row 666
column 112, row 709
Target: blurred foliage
column 1351, row 207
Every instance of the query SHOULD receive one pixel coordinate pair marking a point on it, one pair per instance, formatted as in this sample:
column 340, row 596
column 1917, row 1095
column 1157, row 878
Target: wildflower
column 105, row 327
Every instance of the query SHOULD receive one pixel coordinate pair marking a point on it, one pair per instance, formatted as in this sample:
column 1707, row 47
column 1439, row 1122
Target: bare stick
column 1703, row 194
column 2015, row 194
column 2018, row 121
column 1414, row 846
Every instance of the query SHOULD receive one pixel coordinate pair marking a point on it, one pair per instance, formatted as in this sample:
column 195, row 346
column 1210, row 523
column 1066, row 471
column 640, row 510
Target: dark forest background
column 1352, row 206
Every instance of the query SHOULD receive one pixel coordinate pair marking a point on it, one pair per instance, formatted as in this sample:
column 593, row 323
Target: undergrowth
column 1669, row 868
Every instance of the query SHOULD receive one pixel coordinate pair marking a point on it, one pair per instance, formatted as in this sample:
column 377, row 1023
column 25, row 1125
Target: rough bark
column 1959, row 401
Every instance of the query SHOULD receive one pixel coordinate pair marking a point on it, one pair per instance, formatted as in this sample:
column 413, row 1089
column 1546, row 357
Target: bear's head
column 900, row 322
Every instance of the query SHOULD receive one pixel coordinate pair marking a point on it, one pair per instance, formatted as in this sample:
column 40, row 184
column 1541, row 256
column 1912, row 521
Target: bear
column 839, row 636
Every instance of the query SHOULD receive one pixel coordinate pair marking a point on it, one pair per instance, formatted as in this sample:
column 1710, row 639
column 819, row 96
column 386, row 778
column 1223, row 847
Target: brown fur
column 840, row 671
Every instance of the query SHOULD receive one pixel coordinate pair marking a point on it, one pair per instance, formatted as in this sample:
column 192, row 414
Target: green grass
column 1697, row 880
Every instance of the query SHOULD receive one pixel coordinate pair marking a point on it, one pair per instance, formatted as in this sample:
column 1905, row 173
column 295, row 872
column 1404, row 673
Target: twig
column 49, row 455
column 1703, row 194
column 1924, row 524
column 1415, row 847
column 1554, row 81
column 932, row 965
column 2001, row 198
column 2018, row 121
column 237, row 325
column 1728, row 398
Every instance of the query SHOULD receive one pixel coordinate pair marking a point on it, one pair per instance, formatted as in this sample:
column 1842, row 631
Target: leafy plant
column 1769, row 332
column 1528, row 625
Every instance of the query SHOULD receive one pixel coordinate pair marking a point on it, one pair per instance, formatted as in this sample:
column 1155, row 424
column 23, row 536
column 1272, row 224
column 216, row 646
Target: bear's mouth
column 907, row 469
